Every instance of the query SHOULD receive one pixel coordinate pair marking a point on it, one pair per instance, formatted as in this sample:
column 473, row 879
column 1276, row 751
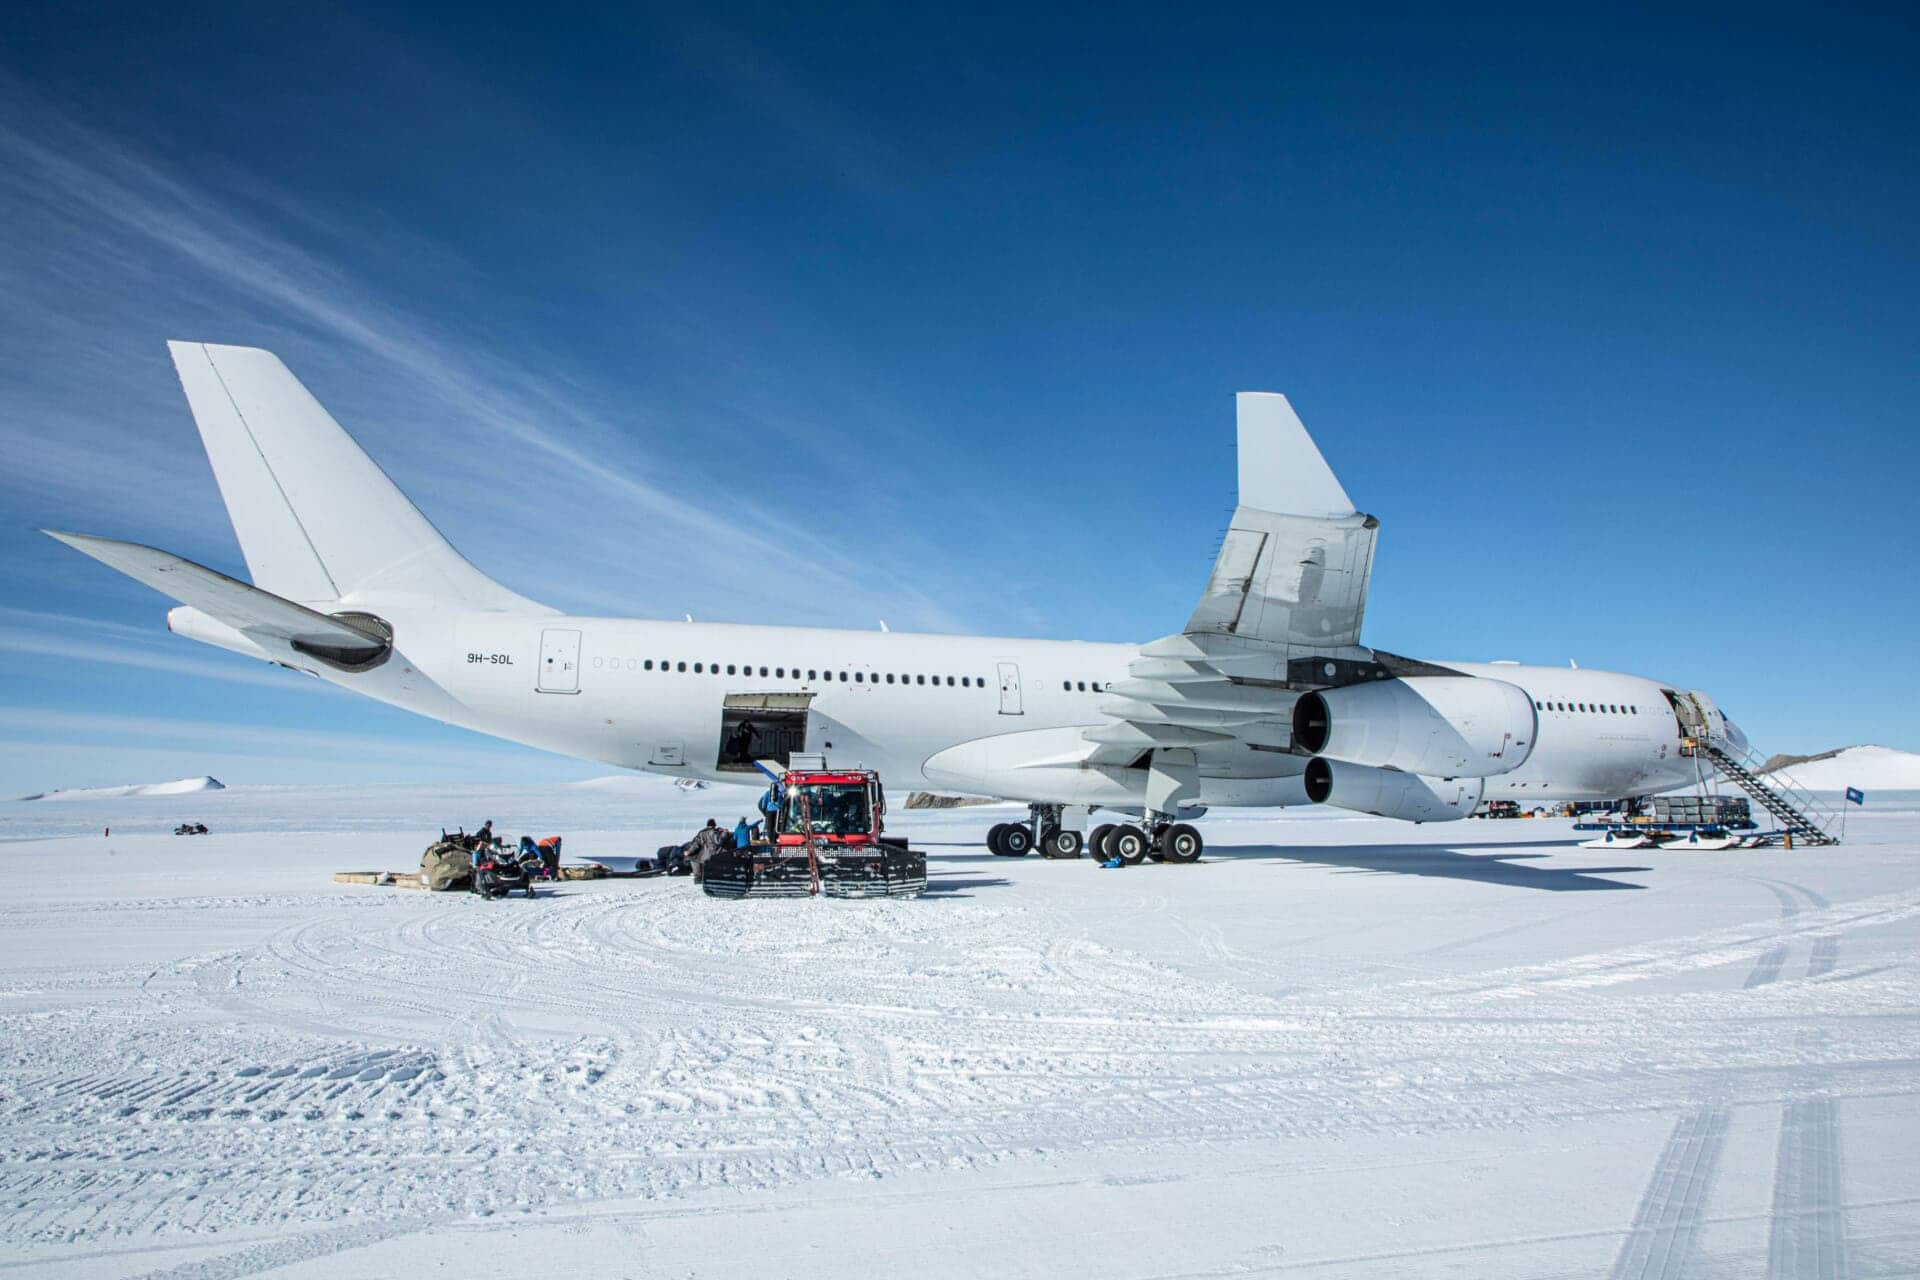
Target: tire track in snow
column 1672, row 1208
column 1809, row 1238
column 1667, row 1222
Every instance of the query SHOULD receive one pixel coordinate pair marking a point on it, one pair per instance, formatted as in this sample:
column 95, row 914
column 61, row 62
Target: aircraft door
column 1010, row 689
column 559, row 661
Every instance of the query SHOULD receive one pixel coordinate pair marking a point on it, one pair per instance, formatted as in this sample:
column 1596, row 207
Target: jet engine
column 1391, row 794
column 1441, row 726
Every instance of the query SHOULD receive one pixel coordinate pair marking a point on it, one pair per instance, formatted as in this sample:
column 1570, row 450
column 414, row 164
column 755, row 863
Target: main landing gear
column 1042, row 830
column 1159, row 838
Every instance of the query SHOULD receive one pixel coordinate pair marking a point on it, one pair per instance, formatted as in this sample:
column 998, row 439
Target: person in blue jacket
column 742, row 834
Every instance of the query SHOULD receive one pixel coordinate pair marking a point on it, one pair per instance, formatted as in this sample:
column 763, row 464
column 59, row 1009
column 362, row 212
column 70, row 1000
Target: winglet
column 1280, row 466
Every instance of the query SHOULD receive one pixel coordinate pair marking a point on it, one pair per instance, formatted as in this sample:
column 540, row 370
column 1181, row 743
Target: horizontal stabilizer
column 257, row 614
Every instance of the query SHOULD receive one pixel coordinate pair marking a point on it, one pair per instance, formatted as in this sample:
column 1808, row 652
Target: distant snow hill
column 1868, row 768
column 179, row 787
column 646, row 783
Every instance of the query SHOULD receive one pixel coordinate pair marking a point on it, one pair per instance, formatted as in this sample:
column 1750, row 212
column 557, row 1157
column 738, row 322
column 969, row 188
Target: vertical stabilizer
column 318, row 520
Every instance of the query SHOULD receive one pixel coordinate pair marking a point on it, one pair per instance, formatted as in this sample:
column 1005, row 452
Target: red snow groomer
column 823, row 836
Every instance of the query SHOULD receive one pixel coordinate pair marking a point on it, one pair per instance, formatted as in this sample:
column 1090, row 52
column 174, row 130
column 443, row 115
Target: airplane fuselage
column 654, row 696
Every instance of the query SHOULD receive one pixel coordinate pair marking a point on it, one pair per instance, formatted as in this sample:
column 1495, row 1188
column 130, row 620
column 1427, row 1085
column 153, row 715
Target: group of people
column 712, row 839
column 546, row 851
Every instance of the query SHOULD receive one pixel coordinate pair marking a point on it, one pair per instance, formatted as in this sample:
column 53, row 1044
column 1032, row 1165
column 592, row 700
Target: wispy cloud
column 494, row 413
column 73, row 639
column 108, row 729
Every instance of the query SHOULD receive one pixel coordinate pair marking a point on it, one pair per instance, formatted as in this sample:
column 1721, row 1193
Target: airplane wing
column 260, row 615
column 1289, row 584
column 1294, row 565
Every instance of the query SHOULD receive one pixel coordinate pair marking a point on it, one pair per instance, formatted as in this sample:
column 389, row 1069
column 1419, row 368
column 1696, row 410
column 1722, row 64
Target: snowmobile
column 498, row 872
column 826, row 840
column 191, row 829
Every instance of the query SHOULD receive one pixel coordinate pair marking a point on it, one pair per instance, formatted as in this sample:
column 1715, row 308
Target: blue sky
column 1614, row 321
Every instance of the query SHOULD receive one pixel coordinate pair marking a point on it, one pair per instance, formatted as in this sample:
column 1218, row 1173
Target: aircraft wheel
column 1181, row 843
column 1065, row 844
column 994, row 833
column 1097, row 841
column 1129, row 844
column 1016, row 840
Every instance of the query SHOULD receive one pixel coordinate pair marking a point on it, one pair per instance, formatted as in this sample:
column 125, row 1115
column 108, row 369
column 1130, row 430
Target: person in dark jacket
column 708, row 841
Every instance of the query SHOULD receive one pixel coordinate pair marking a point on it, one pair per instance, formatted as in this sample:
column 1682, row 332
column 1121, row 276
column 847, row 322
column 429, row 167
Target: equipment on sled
column 498, row 872
column 823, row 837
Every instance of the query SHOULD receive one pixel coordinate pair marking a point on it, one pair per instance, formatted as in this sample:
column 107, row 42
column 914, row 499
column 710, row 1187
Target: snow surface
column 139, row 790
column 1869, row 768
column 1339, row 1046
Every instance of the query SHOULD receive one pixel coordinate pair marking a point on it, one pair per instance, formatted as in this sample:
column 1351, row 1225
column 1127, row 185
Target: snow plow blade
column 877, row 871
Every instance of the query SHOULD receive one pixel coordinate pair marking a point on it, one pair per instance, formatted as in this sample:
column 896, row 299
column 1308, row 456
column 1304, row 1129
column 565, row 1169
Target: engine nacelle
column 1440, row 726
column 1391, row 794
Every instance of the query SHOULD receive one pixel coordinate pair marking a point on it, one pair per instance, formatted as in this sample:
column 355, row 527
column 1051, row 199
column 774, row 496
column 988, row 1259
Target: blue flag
column 1856, row 795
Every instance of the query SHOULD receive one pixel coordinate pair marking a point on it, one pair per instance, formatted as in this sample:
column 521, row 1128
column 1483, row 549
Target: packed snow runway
column 1338, row 1046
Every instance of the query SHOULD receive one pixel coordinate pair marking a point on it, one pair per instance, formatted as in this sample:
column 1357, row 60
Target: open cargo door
column 761, row 726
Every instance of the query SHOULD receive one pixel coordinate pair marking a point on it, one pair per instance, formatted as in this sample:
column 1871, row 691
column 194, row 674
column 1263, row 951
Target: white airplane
column 1266, row 697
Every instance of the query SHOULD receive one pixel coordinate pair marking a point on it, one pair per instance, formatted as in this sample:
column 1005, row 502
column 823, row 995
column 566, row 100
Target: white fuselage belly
column 636, row 708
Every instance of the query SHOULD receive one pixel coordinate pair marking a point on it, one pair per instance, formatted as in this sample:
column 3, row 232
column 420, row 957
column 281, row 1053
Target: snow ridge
column 178, row 787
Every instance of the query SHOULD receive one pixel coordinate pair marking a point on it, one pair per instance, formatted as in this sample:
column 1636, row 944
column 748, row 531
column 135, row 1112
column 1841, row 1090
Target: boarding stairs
column 1800, row 816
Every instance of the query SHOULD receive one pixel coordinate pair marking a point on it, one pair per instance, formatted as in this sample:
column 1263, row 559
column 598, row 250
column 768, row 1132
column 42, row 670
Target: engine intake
column 1441, row 726
column 1390, row 794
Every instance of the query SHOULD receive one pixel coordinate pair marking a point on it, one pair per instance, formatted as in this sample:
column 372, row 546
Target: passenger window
column 919, row 679
column 730, row 670
column 649, row 664
column 949, row 682
column 843, row 677
column 683, row 666
column 696, row 669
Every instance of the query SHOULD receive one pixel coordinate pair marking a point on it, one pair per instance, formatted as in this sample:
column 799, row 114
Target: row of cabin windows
column 1594, row 708
column 783, row 673
column 1084, row 686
